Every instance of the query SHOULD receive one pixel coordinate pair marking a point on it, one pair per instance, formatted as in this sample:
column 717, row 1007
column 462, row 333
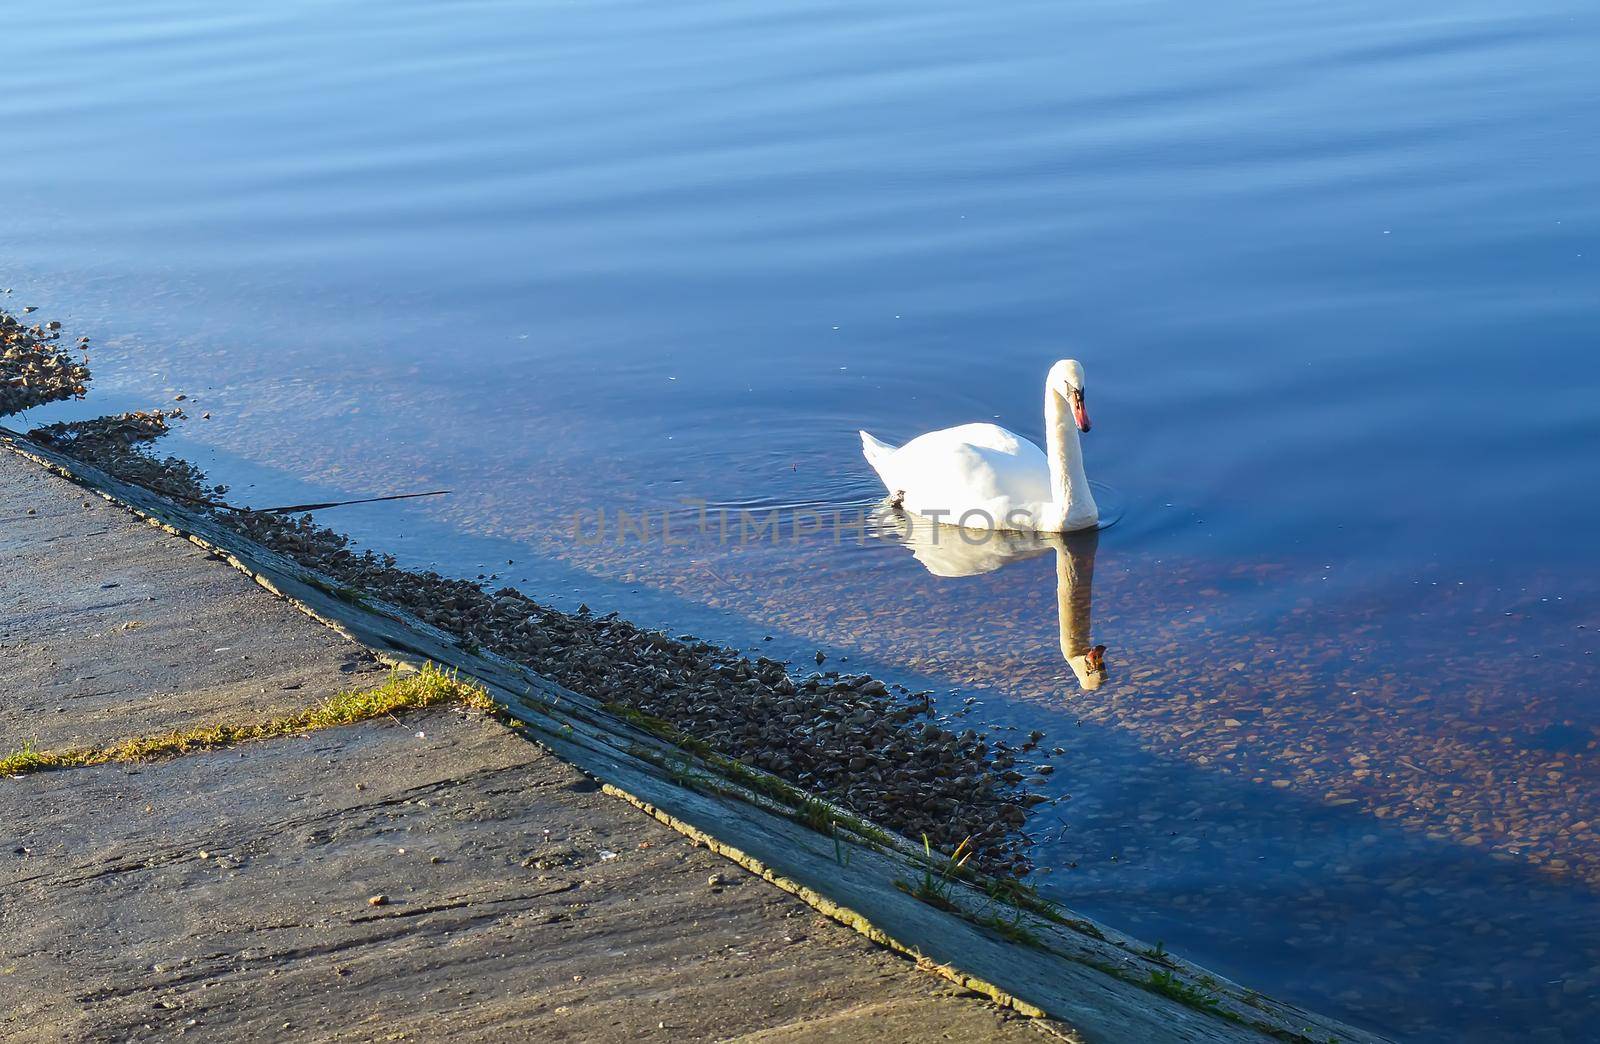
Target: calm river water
column 1331, row 269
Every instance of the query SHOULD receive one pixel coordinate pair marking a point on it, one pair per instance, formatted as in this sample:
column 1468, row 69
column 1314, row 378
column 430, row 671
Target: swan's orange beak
column 1079, row 413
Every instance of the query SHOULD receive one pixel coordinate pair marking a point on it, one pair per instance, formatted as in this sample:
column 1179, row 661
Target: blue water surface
column 1331, row 270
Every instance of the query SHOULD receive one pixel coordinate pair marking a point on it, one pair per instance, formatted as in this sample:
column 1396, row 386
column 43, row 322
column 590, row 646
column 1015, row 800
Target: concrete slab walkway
column 226, row 894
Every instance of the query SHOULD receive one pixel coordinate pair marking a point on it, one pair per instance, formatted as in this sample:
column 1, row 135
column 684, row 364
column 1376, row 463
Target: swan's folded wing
column 984, row 436
column 977, row 468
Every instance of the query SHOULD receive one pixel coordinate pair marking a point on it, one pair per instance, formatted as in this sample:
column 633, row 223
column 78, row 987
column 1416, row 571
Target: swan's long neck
column 1069, row 486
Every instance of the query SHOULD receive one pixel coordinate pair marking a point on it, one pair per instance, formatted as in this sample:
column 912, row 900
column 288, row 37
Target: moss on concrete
column 404, row 691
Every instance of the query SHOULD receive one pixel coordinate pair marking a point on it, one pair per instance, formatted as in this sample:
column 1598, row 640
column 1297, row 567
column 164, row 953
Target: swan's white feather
column 980, row 476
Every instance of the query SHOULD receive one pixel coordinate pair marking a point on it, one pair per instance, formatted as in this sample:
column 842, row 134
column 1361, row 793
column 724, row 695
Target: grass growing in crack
column 354, row 596
column 342, row 592
column 1159, row 954
column 938, row 881
column 1207, row 999
column 315, row 581
column 1011, row 928
column 1088, row 928
column 429, row 687
column 824, row 817
column 816, row 814
column 938, row 878
column 681, row 772
column 659, row 727
column 1023, row 896
column 861, row 828
column 762, row 783
column 807, row 809
column 1169, row 985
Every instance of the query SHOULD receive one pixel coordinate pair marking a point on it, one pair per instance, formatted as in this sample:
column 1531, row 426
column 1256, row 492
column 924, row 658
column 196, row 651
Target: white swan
column 981, row 476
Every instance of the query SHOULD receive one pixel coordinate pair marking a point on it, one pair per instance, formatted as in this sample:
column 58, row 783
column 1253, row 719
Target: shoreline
column 691, row 730
column 840, row 734
column 428, row 875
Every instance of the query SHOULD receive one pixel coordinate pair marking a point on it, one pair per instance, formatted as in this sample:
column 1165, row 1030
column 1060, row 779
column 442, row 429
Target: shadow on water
column 1320, row 904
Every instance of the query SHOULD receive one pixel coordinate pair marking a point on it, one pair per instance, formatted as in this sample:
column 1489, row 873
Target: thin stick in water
column 341, row 503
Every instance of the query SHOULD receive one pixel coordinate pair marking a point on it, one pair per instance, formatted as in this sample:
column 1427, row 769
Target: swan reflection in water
column 953, row 551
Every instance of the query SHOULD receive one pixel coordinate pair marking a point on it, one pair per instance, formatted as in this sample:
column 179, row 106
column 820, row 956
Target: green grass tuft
column 1169, row 985
column 1011, row 927
column 403, row 692
column 939, row 877
column 816, row 814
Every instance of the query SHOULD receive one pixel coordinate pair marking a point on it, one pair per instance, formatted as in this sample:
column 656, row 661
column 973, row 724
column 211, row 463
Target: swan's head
column 1066, row 380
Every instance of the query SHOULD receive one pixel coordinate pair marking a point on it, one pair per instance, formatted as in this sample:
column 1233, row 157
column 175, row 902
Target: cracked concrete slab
column 227, row 894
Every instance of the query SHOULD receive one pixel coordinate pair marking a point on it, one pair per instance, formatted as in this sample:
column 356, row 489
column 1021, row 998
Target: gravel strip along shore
column 34, row 368
column 850, row 738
